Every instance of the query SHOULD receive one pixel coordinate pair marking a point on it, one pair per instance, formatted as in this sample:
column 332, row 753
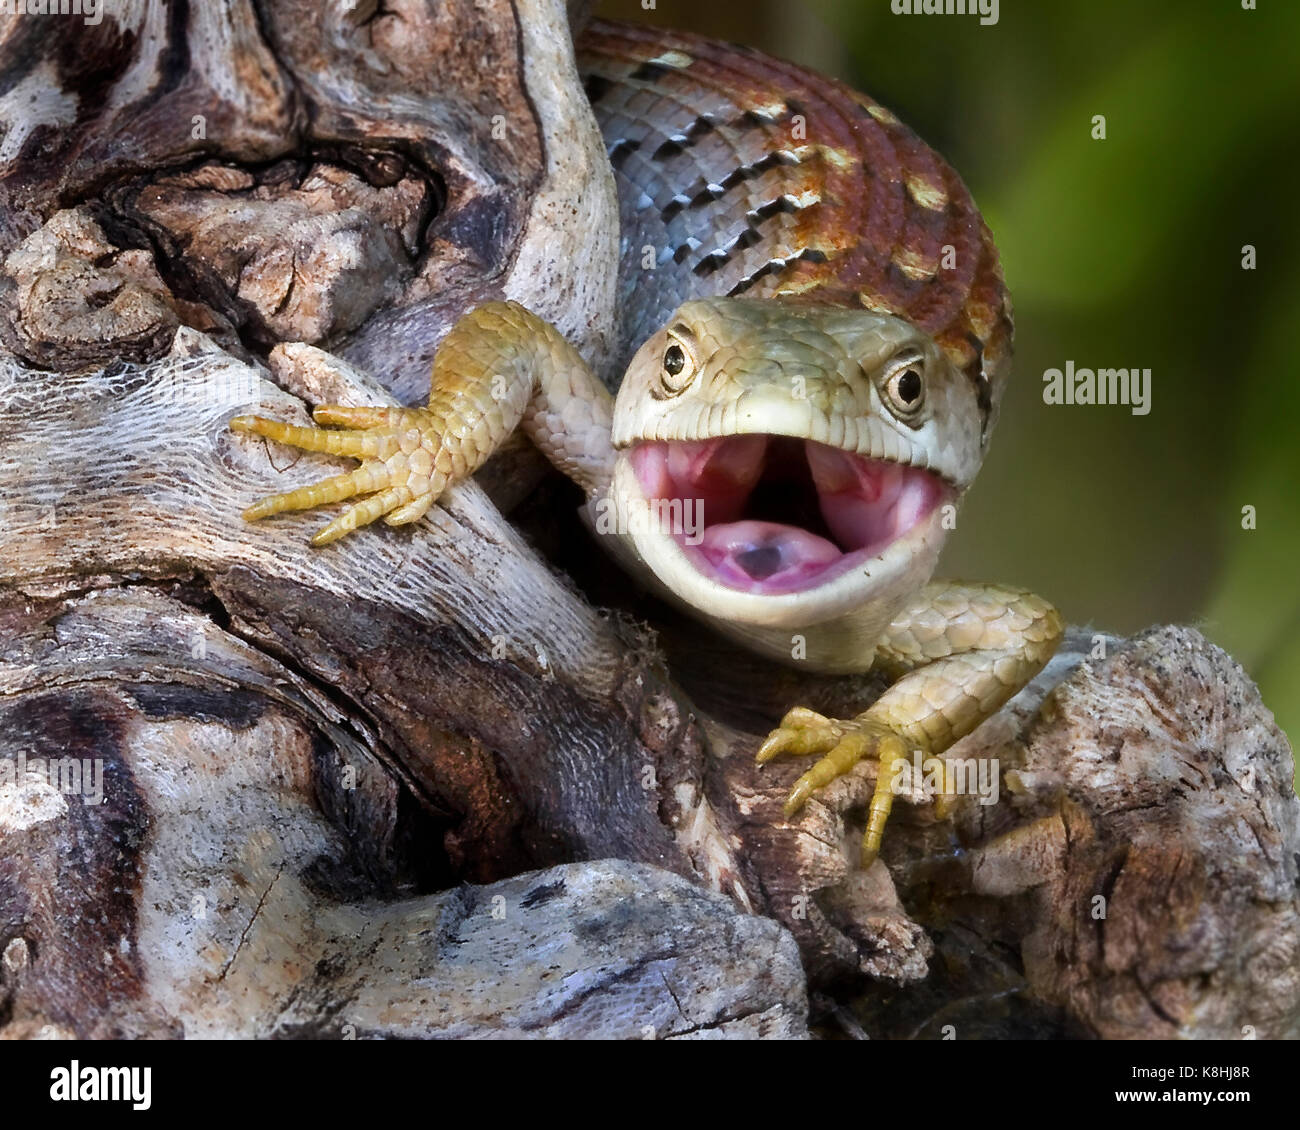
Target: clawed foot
column 842, row 744
column 405, row 465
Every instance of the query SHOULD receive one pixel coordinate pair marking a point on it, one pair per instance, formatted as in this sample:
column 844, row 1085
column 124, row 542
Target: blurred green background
column 1122, row 252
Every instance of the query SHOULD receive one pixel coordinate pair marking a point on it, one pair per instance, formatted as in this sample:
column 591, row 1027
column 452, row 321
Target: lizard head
column 780, row 463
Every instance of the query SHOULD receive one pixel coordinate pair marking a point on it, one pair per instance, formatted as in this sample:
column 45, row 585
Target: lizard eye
column 678, row 365
column 904, row 385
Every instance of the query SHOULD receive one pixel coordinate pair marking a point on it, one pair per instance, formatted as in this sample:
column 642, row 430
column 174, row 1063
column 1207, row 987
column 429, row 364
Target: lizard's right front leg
column 499, row 367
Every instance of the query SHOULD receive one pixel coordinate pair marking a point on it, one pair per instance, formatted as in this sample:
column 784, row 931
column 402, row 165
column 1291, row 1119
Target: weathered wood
column 320, row 171
column 1155, row 833
column 195, row 841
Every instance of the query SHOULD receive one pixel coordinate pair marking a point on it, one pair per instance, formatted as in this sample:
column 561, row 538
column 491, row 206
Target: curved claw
column 843, row 744
column 362, row 514
column 802, row 731
column 843, row 756
column 356, row 445
column 411, row 512
column 367, row 477
column 398, row 469
column 803, row 716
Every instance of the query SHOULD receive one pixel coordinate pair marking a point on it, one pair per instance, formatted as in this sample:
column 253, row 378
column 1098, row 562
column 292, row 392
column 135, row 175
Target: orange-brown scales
column 746, row 175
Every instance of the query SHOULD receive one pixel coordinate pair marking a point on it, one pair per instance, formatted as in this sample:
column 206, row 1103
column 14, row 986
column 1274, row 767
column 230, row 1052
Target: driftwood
column 303, row 752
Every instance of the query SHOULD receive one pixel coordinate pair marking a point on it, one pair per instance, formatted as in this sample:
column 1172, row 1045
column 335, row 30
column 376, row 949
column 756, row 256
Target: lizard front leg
column 962, row 650
column 499, row 367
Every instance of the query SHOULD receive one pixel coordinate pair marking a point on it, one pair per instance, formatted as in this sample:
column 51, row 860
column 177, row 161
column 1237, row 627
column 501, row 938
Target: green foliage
column 1128, row 251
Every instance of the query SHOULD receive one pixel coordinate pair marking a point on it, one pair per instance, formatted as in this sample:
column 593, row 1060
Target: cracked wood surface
column 254, row 870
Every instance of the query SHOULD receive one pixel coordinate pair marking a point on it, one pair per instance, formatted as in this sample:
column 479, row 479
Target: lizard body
column 814, row 374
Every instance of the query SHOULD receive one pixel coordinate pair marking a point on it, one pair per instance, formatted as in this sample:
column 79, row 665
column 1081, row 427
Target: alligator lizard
column 809, row 390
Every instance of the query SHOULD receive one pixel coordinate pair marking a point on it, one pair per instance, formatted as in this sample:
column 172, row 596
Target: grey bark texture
column 342, row 792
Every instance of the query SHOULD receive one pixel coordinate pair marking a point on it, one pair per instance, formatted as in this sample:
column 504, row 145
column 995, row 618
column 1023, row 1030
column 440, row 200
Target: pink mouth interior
column 782, row 515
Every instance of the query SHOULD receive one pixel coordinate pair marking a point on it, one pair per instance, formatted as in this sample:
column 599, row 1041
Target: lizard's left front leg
column 964, row 650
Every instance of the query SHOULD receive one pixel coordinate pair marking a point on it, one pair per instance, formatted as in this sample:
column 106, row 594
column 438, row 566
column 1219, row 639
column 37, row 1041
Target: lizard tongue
column 767, row 555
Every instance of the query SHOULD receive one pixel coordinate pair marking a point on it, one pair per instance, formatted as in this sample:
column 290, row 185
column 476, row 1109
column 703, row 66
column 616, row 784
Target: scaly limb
column 963, row 651
column 499, row 367
column 397, row 464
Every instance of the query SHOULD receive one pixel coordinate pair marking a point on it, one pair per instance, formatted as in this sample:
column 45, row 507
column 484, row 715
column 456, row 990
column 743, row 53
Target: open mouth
column 771, row 514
